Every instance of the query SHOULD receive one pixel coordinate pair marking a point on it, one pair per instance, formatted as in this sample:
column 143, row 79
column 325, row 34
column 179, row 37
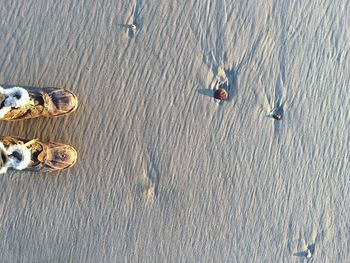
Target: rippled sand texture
column 165, row 173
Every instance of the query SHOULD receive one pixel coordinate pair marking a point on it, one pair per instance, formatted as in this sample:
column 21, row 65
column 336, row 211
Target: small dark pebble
column 277, row 116
column 221, row 94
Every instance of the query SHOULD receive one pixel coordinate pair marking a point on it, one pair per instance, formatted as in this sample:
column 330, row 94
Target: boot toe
column 62, row 102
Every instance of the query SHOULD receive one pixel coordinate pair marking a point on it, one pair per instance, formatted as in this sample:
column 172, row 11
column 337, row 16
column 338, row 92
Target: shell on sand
column 221, row 94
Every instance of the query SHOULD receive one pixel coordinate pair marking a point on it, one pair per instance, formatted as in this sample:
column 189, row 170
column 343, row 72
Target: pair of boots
column 34, row 155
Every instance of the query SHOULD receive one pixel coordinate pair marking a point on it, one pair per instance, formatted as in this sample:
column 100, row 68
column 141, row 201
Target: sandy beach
column 165, row 173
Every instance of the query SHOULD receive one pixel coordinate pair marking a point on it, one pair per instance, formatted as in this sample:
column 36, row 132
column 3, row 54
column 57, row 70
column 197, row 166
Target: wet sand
column 165, row 173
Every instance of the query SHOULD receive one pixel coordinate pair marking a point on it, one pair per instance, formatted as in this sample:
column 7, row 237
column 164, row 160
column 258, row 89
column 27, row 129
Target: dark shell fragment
column 221, row 94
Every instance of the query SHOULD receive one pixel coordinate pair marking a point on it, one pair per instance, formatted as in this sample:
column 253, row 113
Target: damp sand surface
column 166, row 173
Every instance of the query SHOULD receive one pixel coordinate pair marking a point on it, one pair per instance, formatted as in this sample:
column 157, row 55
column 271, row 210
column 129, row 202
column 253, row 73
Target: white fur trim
column 13, row 162
column 12, row 101
column 25, row 154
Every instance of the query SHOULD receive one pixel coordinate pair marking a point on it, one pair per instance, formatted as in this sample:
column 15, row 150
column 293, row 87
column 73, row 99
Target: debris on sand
column 221, row 94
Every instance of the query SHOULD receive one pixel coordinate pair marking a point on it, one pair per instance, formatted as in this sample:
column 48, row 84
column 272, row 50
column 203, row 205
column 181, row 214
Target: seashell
column 308, row 254
column 221, row 94
column 132, row 27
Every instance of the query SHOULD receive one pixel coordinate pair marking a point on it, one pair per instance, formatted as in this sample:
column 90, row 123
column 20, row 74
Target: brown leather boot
column 43, row 157
column 24, row 103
